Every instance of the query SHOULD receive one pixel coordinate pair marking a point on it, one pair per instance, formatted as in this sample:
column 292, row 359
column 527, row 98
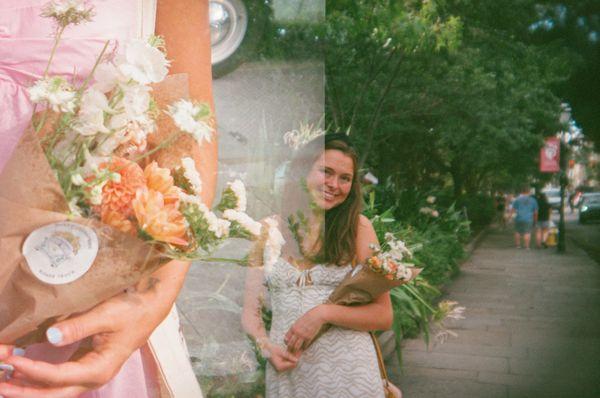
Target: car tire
column 237, row 27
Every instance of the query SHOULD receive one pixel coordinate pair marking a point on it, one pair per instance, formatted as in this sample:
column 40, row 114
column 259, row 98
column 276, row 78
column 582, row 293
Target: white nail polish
column 18, row 352
column 54, row 335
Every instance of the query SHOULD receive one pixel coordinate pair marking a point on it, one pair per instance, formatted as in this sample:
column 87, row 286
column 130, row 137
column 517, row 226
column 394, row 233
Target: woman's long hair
column 337, row 241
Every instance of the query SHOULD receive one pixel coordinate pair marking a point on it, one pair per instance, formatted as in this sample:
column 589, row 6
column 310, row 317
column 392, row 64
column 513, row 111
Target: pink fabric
column 25, row 45
column 136, row 379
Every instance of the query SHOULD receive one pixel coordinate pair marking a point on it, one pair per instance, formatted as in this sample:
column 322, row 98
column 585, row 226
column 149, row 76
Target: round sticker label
column 60, row 253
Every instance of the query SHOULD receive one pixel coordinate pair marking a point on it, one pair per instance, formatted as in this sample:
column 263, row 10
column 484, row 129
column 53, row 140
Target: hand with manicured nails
column 116, row 328
column 109, row 333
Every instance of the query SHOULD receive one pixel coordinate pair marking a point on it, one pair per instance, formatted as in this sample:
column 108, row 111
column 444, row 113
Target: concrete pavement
column 531, row 328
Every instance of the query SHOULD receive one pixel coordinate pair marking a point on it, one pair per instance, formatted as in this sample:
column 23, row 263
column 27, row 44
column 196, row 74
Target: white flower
column 91, row 163
column 56, row 91
column 74, row 209
column 403, row 272
column 96, row 194
column 107, row 76
column 387, row 42
column 133, row 107
column 302, row 136
column 192, row 175
column 67, row 12
column 429, row 211
column 398, row 249
column 189, row 117
column 239, row 190
column 143, row 63
column 90, row 118
column 273, row 245
column 77, row 179
column 217, row 226
column 250, row 225
column 431, row 199
column 192, row 199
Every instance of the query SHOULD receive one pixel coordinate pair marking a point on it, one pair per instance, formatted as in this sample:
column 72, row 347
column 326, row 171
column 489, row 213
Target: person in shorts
column 526, row 208
column 543, row 223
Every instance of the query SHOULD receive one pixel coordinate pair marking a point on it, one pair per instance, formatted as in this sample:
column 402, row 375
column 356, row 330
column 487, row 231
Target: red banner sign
column 550, row 156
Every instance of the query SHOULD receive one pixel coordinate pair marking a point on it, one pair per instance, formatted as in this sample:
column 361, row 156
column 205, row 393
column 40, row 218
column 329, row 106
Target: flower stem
column 224, row 260
column 89, row 76
column 416, row 295
column 54, row 47
column 162, row 145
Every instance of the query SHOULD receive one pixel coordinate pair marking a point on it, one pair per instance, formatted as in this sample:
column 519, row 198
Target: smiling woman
column 324, row 236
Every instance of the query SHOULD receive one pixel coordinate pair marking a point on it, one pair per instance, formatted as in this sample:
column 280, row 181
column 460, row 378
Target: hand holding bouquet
column 98, row 193
column 383, row 271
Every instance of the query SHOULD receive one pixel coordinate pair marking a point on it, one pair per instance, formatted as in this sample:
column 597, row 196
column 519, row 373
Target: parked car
column 236, row 27
column 553, row 195
column 590, row 207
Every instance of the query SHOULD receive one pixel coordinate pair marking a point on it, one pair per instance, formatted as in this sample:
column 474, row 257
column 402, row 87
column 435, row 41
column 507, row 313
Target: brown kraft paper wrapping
column 30, row 198
column 361, row 287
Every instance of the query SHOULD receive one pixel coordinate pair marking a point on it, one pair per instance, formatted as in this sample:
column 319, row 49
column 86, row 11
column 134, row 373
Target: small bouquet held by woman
column 383, row 271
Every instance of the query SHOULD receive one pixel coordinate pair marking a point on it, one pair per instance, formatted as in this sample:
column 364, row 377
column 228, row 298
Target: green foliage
column 480, row 209
column 437, row 244
column 450, row 95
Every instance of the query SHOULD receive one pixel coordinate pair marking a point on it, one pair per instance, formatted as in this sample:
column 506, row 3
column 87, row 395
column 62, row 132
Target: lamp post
column 565, row 116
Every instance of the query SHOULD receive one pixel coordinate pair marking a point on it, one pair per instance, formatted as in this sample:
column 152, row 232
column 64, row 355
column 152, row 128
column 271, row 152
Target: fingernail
column 5, row 367
column 54, row 335
column 18, row 352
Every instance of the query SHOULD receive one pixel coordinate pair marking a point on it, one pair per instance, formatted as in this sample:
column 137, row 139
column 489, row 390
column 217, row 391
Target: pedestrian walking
column 526, row 208
column 500, row 201
column 543, row 223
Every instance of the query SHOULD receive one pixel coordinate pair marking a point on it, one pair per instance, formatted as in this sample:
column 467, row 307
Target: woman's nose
column 332, row 181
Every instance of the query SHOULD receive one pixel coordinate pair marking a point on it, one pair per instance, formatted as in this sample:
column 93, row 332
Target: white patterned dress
column 342, row 363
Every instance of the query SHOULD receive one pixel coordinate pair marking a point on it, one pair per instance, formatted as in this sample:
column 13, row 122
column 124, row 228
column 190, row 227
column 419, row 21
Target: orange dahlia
column 117, row 195
column 118, row 221
column 159, row 179
column 163, row 222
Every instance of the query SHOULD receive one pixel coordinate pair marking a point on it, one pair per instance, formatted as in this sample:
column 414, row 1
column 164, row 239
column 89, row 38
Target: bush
column 479, row 208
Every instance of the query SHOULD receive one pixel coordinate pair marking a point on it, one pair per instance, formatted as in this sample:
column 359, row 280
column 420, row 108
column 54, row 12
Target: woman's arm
column 252, row 321
column 377, row 315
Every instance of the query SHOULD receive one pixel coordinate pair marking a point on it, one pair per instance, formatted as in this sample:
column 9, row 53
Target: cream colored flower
column 239, row 190
column 90, row 118
column 273, row 245
column 143, row 63
column 192, row 175
column 250, row 225
column 191, row 118
column 56, row 91
column 68, row 12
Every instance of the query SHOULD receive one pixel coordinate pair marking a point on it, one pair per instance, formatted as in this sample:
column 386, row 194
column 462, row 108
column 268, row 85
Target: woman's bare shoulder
column 365, row 237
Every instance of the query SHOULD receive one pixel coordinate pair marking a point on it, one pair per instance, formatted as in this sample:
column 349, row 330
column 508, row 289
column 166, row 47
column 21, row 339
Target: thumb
column 77, row 328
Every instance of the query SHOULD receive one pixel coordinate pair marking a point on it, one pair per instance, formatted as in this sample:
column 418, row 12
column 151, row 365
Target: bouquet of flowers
column 98, row 192
column 383, row 271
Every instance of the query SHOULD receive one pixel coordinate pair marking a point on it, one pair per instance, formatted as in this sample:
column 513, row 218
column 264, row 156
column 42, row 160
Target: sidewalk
column 531, row 328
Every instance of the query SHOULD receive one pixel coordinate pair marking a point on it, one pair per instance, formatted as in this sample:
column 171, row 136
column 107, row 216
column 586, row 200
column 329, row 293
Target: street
column 585, row 236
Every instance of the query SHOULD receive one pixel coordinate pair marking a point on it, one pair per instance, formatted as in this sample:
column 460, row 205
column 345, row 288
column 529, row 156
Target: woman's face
column 330, row 179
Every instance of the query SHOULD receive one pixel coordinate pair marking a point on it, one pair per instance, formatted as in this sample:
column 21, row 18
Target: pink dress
column 25, row 45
